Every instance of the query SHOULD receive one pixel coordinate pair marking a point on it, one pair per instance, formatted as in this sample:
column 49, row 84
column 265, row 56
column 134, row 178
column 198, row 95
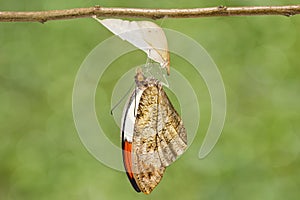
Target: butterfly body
column 153, row 130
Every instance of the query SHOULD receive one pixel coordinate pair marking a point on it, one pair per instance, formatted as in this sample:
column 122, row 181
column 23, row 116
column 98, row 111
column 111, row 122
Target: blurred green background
column 257, row 156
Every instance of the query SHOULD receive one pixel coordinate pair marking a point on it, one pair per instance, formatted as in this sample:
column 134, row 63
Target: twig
column 43, row 16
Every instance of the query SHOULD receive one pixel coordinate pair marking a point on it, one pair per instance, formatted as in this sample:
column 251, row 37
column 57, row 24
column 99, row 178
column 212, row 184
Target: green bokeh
column 257, row 156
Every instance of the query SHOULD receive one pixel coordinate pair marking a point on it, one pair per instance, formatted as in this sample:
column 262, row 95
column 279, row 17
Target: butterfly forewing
column 146, row 160
column 159, row 137
column 128, row 121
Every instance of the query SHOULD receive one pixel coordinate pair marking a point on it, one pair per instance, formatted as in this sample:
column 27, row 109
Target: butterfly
column 152, row 133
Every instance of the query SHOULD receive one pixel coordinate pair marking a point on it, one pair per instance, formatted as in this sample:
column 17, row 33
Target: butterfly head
column 140, row 79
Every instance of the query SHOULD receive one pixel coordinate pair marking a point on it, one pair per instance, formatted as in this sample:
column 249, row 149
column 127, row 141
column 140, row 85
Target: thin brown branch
column 43, row 16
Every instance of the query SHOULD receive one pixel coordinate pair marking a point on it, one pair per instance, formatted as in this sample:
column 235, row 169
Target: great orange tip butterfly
column 152, row 132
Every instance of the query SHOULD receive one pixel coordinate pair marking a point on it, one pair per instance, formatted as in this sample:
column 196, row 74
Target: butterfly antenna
column 120, row 101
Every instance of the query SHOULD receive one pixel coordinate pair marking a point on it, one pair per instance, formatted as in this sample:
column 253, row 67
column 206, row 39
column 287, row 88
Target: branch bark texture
column 221, row 11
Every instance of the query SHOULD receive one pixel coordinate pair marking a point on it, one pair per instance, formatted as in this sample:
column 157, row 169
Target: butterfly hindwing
column 172, row 138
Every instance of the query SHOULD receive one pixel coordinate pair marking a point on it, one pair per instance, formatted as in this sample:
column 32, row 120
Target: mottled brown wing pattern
column 172, row 138
column 159, row 137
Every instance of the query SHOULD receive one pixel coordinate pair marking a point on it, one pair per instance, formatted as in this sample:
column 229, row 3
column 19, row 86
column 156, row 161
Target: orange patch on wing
column 127, row 158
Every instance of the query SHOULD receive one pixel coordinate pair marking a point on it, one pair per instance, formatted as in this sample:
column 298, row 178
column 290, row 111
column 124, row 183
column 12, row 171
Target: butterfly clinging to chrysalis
column 153, row 134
